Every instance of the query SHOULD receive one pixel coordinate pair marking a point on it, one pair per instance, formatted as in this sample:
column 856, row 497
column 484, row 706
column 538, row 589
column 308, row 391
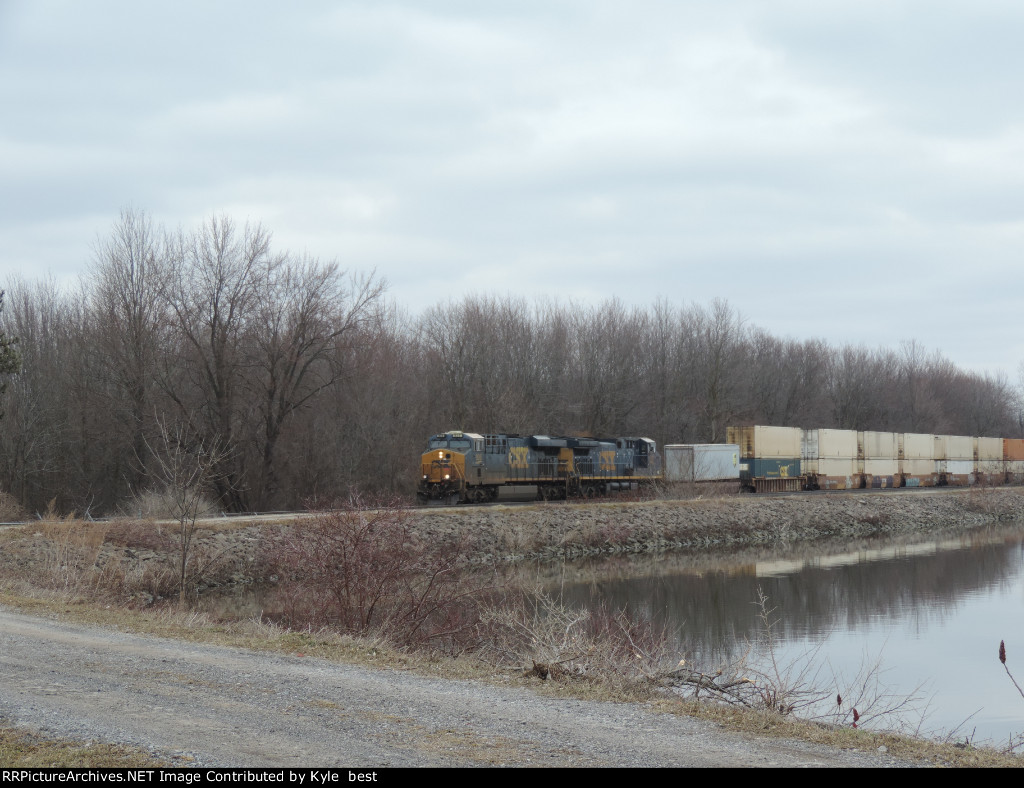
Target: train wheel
column 589, row 491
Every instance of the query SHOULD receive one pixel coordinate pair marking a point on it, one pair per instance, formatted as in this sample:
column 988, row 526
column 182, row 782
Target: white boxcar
column 702, row 462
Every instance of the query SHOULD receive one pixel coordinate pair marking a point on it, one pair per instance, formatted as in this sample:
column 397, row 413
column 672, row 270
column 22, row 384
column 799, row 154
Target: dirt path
column 217, row 706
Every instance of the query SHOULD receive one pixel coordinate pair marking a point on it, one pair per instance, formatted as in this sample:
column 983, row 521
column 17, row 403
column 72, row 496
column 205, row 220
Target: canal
column 924, row 617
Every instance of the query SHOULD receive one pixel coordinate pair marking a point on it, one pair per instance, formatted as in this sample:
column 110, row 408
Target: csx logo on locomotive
column 518, row 457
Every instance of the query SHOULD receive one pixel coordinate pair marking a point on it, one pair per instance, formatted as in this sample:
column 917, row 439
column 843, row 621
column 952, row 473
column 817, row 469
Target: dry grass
column 20, row 749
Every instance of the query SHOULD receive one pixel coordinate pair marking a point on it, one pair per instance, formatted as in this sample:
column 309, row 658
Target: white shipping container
column 989, row 452
column 837, row 444
column 990, row 448
column 917, row 467
column 882, row 467
column 843, row 468
column 918, row 446
column 702, row 462
column 782, row 442
column 879, row 446
column 828, row 444
column 957, row 447
column 959, row 467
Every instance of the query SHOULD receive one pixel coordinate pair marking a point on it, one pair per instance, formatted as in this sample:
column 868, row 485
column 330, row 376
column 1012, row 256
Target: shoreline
column 509, row 534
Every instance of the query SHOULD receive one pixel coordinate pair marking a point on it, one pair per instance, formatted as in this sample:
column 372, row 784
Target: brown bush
column 364, row 571
column 553, row 641
column 10, row 509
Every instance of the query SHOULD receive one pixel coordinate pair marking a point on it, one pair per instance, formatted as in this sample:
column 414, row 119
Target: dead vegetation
column 24, row 750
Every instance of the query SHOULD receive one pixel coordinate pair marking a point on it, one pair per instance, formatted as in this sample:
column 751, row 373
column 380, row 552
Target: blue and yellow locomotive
column 468, row 467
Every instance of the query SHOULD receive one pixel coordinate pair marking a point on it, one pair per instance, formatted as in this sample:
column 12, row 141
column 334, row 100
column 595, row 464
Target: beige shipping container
column 919, row 473
column 766, row 442
column 836, row 444
column 882, row 467
column 916, row 446
column 834, row 474
column 878, row 446
column 989, row 454
column 955, row 447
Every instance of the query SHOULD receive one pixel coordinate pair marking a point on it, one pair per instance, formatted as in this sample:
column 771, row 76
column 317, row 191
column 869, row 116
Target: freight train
column 467, row 467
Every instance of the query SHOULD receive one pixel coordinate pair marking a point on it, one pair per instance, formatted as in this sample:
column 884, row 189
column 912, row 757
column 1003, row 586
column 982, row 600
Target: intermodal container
column 881, row 472
column 829, row 444
column 955, row 447
column 1013, row 449
column 988, row 453
column 881, row 467
column 916, row 446
column 766, row 442
column 702, row 462
column 919, row 473
column 1013, row 454
column 878, row 446
column 954, row 459
column 773, row 468
column 836, row 474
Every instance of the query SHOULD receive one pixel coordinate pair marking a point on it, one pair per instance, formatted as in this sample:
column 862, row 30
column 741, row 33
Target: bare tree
column 185, row 465
column 213, row 294
column 307, row 318
column 126, row 281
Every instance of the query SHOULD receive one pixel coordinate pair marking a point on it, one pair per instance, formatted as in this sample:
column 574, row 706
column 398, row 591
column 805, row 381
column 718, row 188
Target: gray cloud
column 842, row 170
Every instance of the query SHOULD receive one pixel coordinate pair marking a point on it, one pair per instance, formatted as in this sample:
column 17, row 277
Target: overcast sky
column 852, row 171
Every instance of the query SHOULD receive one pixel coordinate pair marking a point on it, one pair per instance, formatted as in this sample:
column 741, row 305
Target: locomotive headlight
column 424, row 476
column 447, row 476
column 440, row 455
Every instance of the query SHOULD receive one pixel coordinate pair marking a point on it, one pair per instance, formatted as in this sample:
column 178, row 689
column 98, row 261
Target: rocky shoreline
column 552, row 532
column 569, row 531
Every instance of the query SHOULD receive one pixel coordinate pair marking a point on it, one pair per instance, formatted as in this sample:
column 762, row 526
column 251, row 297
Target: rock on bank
column 570, row 530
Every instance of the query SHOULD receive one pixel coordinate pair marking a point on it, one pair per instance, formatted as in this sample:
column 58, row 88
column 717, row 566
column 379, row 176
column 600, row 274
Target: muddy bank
column 566, row 531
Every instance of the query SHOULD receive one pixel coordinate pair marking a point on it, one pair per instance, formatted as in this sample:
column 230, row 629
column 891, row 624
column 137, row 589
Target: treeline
column 311, row 382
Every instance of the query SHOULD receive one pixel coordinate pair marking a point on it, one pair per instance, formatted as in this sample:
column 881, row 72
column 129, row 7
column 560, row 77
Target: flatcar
column 469, row 467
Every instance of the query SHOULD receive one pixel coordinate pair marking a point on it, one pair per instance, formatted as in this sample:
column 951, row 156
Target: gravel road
column 203, row 705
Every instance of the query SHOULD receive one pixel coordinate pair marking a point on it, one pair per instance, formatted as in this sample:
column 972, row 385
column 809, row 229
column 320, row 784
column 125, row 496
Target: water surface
column 933, row 611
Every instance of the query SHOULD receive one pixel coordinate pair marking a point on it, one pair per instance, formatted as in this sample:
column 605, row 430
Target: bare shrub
column 10, row 510
column 365, row 571
column 546, row 638
column 163, row 505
